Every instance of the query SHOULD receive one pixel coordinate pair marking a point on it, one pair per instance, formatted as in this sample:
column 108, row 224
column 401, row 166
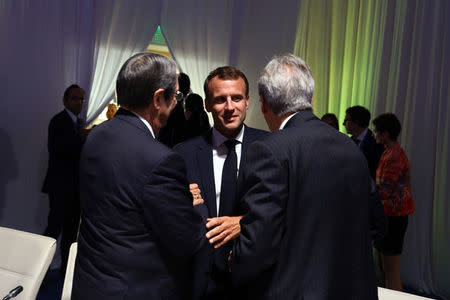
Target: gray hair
column 141, row 75
column 286, row 84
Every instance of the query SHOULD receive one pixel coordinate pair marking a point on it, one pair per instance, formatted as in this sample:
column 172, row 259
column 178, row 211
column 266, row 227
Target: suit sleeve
column 264, row 194
column 186, row 153
column 168, row 209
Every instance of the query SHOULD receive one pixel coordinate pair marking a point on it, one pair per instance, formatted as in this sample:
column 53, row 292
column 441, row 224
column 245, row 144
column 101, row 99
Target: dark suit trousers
column 64, row 219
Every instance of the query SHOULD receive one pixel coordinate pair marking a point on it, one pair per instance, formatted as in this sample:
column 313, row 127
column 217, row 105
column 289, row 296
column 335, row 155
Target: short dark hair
column 184, row 83
column 359, row 115
column 141, row 75
column 389, row 123
column 194, row 102
column 333, row 121
column 224, row 73
column 69, row 89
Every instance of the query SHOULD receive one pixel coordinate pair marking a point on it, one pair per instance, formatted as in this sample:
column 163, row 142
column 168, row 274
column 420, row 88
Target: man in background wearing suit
column 213, row 164
column 66, row 136
column 356, row 121
column 139, row 230
column 307, row 188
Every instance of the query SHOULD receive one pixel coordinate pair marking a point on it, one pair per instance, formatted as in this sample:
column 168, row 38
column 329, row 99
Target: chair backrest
column 386, row 294
column 67, row 289
column 24, row 260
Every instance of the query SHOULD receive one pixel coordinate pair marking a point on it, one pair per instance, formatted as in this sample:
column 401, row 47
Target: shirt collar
column 72, row 116
column 145, row 122
column 219, row 139
column 286, row 120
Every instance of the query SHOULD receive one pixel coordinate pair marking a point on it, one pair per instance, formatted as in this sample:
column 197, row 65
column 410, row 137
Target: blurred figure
column 356, row 122
column 175, row 130
column 331, row 120
column 66, row 135
column 393, row 181
column 112, row 109
column 197, row 122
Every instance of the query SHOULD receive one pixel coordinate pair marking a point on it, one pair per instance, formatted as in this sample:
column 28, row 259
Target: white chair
column 386, row 294
column 24, row 260
column 67, row 289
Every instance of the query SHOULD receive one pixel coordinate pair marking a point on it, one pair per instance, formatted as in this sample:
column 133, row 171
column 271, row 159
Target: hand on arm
column 224, row 229
column 196, row 194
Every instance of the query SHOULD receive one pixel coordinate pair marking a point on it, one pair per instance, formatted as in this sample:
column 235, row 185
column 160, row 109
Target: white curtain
column 199, row 36
column 43, row 49
column 122, row 28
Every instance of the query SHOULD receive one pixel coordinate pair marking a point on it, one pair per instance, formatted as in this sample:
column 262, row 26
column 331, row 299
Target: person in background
column 66, row 136
column 356, row 123
column 112, row 109
column 197, row 122
column 393, row 181
column 174, row 132
column 331, row 120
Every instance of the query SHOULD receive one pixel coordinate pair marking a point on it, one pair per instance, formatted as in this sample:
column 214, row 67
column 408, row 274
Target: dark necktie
column 356, row 140
column 78, row 124
column 229, row 180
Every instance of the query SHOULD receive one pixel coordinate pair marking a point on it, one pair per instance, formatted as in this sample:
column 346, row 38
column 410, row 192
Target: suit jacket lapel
column 205, row 163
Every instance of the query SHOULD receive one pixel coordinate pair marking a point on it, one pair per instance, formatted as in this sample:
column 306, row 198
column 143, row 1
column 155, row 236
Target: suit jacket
column 372, row 151
column 197, row 154
column 64, row 147
column 306, row 234
column 139, row 230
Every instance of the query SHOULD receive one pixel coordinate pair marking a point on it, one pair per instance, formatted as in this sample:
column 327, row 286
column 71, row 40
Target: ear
column 158, row 97
column 264, row 108
column 247, row 103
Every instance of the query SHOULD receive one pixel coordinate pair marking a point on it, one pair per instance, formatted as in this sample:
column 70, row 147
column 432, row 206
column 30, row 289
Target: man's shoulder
column 62, row 115
column 253, row 134
column 193, row 143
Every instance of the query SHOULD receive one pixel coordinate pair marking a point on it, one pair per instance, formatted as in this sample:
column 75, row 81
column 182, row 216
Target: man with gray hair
column 139, row 230
column 307, row 188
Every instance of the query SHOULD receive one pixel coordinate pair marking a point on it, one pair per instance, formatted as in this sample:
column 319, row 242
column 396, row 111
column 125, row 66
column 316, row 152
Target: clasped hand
column 224, row 229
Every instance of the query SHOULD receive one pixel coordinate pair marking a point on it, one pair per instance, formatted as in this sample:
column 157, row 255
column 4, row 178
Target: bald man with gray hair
column 308, row 192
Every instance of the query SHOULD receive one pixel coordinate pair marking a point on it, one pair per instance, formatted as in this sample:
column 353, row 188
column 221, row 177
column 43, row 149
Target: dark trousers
column 64, row 219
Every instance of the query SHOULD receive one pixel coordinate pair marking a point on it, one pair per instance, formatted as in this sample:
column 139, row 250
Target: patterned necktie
column 229, row 180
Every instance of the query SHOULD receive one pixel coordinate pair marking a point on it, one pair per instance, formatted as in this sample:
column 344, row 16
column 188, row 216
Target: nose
column 229, row 105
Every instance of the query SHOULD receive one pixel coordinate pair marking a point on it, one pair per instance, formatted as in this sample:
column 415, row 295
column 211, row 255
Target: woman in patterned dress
column 393, row 181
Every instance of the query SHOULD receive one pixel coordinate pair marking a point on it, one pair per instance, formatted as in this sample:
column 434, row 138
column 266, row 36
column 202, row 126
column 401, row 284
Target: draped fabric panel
column 43, row 49
column 199, row 35
column 389, row 56
column 122, row 28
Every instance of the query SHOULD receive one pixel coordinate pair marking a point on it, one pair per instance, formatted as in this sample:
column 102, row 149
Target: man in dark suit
column 208, row 163
column 65, row 139
column 356, row 123
column 139, row 230
column 307, row 188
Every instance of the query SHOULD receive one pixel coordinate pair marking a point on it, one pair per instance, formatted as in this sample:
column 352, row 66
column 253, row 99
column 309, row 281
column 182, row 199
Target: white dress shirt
column 220, row 152
column 286, row 120
column 145, row 122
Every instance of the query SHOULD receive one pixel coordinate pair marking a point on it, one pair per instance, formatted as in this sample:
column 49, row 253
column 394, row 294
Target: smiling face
column 228, row 105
